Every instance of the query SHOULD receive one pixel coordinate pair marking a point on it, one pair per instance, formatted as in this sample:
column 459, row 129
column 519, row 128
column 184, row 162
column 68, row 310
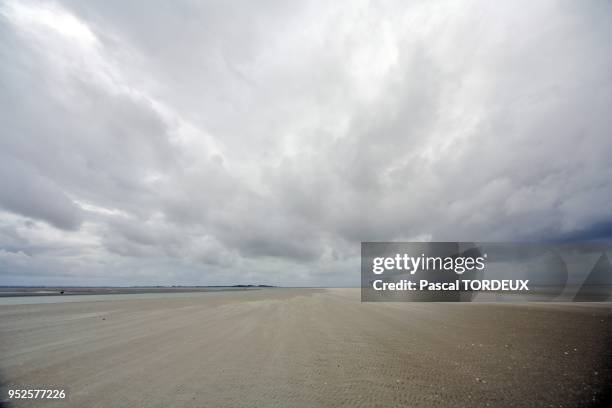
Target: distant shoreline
column 11, row 291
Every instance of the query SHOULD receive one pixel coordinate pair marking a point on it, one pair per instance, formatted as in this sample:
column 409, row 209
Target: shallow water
column 35, row 300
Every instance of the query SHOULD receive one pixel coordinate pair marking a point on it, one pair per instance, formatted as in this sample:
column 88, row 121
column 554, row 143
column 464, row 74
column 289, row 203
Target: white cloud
column 143, row 143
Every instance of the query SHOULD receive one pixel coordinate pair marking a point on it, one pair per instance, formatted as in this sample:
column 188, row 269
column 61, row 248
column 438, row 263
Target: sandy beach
column 305, row 348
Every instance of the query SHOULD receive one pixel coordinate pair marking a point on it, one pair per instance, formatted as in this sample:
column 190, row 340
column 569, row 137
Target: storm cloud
column 260, row 142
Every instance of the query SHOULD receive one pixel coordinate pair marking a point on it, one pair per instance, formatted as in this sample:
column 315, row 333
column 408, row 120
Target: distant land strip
column 8, row 291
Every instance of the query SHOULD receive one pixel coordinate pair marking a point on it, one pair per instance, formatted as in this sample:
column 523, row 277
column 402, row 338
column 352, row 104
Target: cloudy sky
column 219, row 142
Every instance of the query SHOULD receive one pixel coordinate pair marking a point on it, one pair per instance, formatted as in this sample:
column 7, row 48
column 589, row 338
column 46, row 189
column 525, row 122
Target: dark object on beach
column 61, row 292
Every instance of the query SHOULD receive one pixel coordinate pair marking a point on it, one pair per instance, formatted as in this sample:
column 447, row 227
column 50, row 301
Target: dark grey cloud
column 203, row 142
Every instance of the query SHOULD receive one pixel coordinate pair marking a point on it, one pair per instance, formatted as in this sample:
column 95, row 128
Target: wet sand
column 305, row 348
